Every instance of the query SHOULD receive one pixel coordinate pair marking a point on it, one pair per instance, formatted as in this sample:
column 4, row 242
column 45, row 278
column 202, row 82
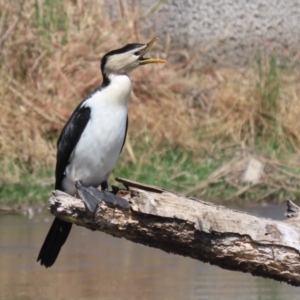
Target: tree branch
column 187, row 226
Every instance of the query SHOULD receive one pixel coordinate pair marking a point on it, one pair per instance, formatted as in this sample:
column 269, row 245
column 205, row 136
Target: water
column 93, row 265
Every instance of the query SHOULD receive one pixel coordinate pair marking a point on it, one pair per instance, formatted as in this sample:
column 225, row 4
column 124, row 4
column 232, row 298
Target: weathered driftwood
column 190, row 227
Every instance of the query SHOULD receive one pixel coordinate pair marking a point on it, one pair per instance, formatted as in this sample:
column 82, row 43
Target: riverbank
column 194, row 128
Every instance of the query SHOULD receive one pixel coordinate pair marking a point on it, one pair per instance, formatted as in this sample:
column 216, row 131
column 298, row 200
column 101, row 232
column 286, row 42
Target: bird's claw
column 92, row 196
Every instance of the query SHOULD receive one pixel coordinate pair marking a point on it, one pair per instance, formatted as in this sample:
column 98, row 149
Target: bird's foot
column 92, row 196
column 114, row 199
column 88, row 195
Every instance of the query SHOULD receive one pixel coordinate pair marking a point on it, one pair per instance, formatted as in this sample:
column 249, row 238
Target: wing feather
column 68, row 139
column 125, row 135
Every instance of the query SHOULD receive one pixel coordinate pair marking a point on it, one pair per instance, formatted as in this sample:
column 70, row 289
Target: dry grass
column 49, row 61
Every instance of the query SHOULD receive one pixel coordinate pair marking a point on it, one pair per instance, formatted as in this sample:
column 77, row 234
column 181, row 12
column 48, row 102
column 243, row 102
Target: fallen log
column 187, row 226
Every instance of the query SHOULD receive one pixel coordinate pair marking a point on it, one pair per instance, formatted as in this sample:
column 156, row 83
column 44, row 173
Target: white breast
column 98, row 149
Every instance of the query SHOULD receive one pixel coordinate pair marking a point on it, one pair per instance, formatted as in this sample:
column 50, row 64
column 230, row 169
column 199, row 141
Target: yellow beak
column 144, row 61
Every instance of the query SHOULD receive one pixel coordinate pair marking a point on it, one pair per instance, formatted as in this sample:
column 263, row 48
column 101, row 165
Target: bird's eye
column 138, row 53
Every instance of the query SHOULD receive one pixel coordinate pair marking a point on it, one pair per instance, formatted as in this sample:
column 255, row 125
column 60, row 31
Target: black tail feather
column 55, row 239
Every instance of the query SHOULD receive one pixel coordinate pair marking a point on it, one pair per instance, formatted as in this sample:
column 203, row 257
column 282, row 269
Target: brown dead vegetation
column 49, row 62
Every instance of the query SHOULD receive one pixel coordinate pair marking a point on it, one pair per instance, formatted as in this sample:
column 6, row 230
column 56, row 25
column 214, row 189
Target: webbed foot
column 92, row 196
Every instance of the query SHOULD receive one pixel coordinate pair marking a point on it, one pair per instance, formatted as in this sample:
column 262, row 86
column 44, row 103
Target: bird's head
column 126, row 59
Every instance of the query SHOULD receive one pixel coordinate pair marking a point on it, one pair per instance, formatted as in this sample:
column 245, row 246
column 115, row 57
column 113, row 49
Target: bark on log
column 187, row 226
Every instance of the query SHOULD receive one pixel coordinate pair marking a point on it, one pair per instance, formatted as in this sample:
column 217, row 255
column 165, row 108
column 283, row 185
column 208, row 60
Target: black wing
column 68, row 139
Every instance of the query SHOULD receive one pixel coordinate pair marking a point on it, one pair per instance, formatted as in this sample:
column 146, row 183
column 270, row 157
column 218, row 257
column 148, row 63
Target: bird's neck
column 107, row 78
column 117, row 87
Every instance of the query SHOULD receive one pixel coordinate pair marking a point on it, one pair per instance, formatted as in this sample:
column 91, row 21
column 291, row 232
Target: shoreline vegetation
column 194, row 128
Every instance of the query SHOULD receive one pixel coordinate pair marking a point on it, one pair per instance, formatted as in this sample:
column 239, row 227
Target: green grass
column 170, row 167
column 28, row 191
column 270, row 129
column 51, row 16
column 28, row 188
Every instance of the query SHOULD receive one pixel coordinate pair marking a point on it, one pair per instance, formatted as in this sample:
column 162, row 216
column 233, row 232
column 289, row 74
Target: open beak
column 143, row 60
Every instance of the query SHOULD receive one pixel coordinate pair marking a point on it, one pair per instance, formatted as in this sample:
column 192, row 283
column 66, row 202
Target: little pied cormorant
column 92, row 139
